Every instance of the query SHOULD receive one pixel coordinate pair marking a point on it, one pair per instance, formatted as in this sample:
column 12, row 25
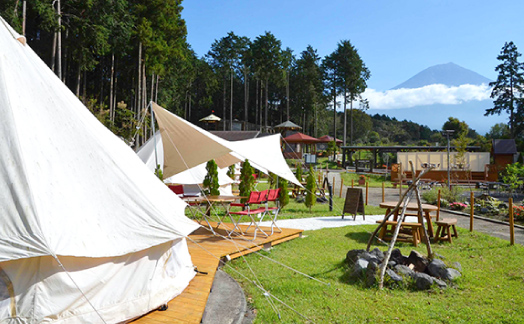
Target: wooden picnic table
column 426, row 210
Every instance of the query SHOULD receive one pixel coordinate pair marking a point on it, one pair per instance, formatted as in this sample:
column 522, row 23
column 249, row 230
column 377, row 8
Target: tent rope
column 78, row 287
column 259, row 286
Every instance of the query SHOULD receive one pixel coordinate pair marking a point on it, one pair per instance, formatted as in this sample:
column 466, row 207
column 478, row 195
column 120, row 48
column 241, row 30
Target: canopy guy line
column 257, row 285
column 78, row 287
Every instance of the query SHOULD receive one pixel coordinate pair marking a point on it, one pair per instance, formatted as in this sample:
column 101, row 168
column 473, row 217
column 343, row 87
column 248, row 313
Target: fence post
column 472, row 210
column 383, row 191
column 438, row 205
column 330, row 190
column 400, row 179
column 352, row 183
column 511, row 223
column 367, row 192
column 341, row 186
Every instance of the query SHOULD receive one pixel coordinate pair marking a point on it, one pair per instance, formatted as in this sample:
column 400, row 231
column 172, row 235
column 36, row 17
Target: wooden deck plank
column 206, row 250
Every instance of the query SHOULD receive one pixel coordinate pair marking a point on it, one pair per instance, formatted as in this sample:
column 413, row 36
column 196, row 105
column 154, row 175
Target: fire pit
column 414, row 270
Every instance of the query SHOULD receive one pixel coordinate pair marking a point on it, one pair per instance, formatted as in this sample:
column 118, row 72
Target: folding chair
column 250, row 209
column 273, row 195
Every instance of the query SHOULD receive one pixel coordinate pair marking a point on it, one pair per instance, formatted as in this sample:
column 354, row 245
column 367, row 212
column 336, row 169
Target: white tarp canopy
column 194, row 175
column 186, row 145
column 72, row 191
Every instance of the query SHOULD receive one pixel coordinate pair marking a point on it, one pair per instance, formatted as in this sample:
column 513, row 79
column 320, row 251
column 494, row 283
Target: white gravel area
column 315, row 223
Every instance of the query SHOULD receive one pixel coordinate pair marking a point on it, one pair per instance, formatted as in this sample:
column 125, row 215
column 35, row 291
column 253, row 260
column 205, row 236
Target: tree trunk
column 53, row 52
column 334, row 112
column 231, row 104
column 84, row 89
column 256, row 101
column 351, row 122
column 266, row 104
column 287, row 95
column 115, row 106
column 224, row 105
column 139, row 80
column 345, row 117
column 59, row 40
column 111, row 107
column 78, row 80
column 246, row 96
column 156, row 89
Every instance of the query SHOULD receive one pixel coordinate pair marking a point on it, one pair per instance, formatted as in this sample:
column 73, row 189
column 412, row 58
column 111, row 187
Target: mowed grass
column 489, row 291
column 374, row 180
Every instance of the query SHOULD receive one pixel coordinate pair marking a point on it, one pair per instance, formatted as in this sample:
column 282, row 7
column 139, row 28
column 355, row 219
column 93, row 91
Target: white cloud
column 428, row 95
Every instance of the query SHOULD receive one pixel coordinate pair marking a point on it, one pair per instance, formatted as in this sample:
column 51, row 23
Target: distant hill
column 449, row 74
column 434, row 116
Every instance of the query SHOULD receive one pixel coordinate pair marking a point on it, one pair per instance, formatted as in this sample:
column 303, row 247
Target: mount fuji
column 433, row 95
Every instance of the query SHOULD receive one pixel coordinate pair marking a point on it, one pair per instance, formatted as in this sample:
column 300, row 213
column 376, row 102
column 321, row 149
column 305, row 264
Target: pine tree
column 509, row 87
column 311, row 187
column 211, row 180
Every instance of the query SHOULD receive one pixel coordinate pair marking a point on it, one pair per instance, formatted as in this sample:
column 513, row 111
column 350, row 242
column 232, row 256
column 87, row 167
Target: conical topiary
column 247, row 181
column 211, row 180
column 311, row 187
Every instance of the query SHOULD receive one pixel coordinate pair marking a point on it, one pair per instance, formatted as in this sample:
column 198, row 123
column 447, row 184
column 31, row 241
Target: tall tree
column 267, row 56
column 508, row 89
column 225, row 57
column 332, row 81
column 353, row 75
column 307, row 86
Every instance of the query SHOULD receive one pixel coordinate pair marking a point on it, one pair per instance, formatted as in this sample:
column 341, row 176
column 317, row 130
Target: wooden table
column 426, row 209
column 209, row 202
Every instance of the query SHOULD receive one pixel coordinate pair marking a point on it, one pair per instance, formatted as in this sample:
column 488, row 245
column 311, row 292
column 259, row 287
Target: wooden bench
column 414, row 235
column 444, row 227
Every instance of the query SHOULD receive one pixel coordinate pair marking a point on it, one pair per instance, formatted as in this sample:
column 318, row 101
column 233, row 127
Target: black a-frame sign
column 354, row 203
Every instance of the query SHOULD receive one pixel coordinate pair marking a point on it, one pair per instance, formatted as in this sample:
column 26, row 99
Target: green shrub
column 454, row 195
column 211, row 180
column 311, row 187
column 283, row 197
column 298, row 173
column 247, row 181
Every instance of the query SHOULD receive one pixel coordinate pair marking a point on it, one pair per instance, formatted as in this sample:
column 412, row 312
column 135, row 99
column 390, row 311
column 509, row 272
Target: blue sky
column 396, row 39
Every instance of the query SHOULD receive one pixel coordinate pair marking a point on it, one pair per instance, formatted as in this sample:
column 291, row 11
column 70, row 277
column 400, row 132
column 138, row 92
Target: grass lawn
column 490, row 290
column 375, row 180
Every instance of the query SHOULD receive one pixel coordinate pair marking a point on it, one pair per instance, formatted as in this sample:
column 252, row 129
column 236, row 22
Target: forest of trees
column 117, row 55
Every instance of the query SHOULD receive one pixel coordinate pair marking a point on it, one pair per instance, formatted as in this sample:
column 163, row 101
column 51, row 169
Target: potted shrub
column 361, row 180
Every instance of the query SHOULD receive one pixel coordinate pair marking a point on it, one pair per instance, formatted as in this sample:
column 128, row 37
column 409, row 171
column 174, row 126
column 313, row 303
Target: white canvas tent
column 186, row 145
column 88, row 234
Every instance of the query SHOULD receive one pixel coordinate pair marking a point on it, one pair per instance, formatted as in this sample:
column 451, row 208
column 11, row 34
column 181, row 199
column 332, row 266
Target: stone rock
column 393, row 275
column 418, row 260
column 378, row 254
column 422, row 281
column 457, row 265
column 451, row 274
column 360, row 267
column 397, row 256
column 369, row 257
column 352, row 256
column 403, row 270
column 440, row 283
column 437, row 268
column 391, row 264
column 371, row 274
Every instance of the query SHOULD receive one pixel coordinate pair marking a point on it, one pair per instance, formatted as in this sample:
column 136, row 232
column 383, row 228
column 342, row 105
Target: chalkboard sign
column 354, row 203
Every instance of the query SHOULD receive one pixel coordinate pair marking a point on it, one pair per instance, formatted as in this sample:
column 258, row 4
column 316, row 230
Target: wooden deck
column 206, row 251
